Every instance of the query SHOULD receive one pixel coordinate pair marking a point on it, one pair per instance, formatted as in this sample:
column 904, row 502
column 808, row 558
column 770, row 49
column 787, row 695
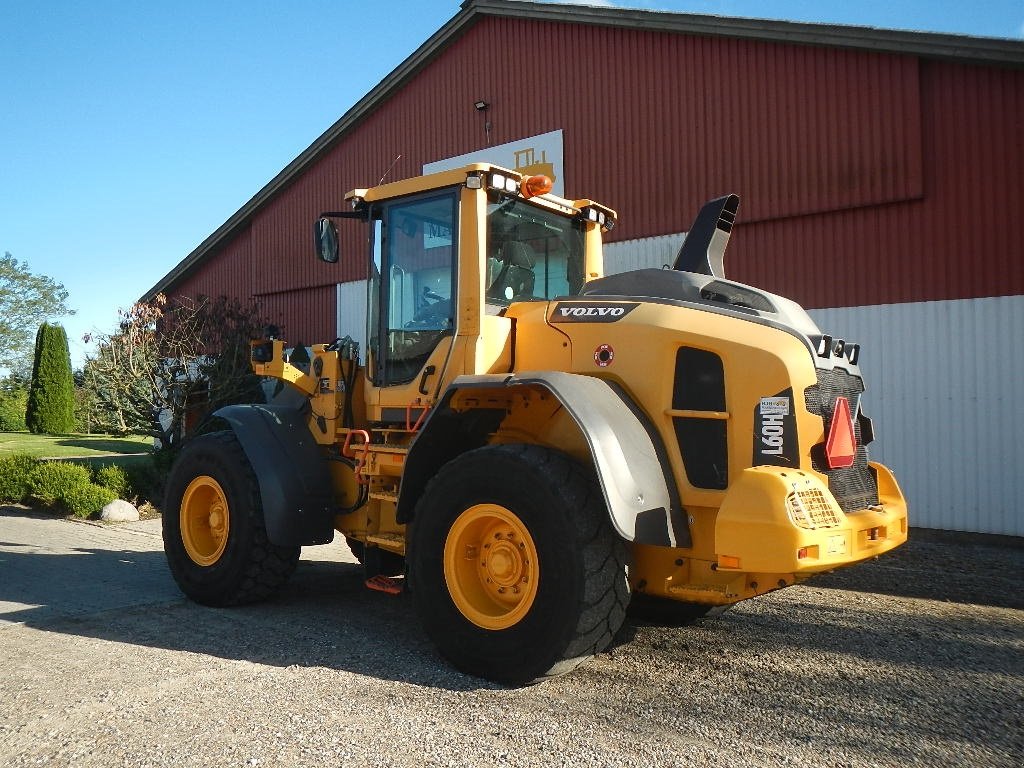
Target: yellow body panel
column 754, row 513
column 748, row 521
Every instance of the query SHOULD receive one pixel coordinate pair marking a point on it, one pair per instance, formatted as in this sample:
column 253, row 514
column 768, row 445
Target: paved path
column 53, row 568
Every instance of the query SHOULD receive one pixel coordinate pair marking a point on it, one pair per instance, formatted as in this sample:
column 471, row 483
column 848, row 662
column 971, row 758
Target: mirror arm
column 362, row 214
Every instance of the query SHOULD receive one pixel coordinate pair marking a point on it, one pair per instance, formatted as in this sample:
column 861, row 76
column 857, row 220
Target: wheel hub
column 504, row 565
column 217, row 520
column 491, row 566
column 205, row 520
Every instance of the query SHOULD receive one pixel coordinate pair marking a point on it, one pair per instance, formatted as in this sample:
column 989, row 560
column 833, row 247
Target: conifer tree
column 51, row 396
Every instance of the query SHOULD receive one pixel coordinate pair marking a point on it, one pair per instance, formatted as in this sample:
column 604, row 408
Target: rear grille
column 854, row 487
column 808, row 508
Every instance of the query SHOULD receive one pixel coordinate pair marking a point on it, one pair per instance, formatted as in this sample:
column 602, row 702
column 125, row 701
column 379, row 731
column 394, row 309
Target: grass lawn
column 72, row 445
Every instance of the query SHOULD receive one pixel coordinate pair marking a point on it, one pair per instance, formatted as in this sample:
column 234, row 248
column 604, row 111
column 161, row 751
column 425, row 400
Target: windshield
column 532, row 253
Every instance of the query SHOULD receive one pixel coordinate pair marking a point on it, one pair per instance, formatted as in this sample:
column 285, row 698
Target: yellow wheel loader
column 538, row 447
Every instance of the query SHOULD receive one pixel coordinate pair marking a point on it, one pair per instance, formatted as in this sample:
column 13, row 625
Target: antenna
column 399, row 157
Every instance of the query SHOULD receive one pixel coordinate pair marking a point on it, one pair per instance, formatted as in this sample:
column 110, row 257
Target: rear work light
column 599, row 217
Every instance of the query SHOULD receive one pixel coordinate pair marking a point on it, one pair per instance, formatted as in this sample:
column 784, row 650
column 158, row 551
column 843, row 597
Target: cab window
column 532, row 253
column 411, row 284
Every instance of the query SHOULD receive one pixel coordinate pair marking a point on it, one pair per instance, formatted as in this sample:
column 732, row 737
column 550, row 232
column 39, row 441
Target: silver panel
column 351, row 313
column 645, row 253
column 943, row 388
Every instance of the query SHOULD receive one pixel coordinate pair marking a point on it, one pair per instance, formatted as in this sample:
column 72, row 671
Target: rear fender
column 626, row 451
column 295, row 483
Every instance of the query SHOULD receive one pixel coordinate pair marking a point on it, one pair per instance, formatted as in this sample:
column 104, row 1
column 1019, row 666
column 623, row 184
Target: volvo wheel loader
column 533, row 444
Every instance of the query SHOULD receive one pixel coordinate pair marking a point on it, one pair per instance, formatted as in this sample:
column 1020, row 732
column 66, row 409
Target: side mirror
column 325, row 238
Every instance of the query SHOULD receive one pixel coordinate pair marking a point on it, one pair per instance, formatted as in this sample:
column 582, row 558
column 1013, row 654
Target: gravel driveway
column 916, row 659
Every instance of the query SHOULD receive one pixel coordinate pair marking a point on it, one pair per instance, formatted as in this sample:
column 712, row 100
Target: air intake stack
column 704, row 247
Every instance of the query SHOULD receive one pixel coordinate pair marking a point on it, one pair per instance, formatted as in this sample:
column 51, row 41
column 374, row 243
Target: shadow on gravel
column 937, row 565
column 890, row 684
column 323, row 617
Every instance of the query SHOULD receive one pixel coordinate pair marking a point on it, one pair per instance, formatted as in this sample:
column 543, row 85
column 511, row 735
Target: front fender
column 295, row 483
column 627, row 453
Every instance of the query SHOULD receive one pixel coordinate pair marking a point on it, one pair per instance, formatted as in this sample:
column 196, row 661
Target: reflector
column 841, row 446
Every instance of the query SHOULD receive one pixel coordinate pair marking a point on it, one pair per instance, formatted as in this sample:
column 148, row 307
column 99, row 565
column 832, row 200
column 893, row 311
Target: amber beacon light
column 536, row 185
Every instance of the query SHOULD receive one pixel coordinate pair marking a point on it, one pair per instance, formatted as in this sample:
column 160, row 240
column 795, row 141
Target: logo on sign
column 779, row 405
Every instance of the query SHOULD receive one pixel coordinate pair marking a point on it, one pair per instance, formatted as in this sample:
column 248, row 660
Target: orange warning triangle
column 841, row 446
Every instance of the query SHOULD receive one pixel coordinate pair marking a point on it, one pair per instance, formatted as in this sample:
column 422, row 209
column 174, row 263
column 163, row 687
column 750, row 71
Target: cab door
column 411, row 303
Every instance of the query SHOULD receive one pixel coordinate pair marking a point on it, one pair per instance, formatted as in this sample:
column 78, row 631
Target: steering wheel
column 432, row 316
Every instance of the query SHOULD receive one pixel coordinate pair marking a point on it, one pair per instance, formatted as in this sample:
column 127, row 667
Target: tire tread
column 606, row 594
column 266, row 566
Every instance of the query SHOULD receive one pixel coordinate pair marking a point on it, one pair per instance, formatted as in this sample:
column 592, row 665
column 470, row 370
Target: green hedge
column 24, row 478
column 13, row 403
column 50, row 481
column 88, row 499
column 53, row 482
column 113, row 477
column 15, row 477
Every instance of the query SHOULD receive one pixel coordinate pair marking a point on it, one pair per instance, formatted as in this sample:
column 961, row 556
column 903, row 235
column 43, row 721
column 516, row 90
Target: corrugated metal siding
column 227, row 274
column 669, row 120
column 780, row 125
column 943, row 393
column 962, row 240
column 646, row 252
column 352, row 312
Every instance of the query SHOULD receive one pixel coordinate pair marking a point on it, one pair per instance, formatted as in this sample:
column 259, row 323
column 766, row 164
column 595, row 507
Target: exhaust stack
column 704, row 247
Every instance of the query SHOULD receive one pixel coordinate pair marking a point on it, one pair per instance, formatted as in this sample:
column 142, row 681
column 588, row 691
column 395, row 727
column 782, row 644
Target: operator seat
column 516, row 272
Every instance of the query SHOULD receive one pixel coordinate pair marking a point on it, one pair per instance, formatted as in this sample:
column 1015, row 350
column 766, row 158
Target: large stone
column 119, row 511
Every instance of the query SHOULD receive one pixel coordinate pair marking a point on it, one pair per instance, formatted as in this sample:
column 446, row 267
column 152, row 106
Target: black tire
column 581, row 590
column 241, row 566
column 663, row 612
column 390, row 563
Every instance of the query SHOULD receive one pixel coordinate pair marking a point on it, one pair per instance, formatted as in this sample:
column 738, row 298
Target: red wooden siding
column 305, row 315
column 865, row 177
column 229, row 273
column 961, row 240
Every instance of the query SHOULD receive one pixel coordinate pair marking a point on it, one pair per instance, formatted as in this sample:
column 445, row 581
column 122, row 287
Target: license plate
column 837, row 545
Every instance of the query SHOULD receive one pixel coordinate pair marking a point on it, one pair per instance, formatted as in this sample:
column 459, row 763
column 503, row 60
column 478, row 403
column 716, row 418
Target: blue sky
column 130, row 131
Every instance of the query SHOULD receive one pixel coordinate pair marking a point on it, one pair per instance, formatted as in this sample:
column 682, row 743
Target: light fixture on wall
column 482, row 107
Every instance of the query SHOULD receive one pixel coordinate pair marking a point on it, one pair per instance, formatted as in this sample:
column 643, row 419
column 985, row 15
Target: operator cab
column 448, row 254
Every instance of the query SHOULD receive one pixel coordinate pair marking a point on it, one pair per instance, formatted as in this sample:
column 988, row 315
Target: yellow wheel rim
column 204, row 520
column 491, row 566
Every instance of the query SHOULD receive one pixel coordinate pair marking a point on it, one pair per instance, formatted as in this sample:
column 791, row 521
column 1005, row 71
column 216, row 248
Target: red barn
column 881, row 174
